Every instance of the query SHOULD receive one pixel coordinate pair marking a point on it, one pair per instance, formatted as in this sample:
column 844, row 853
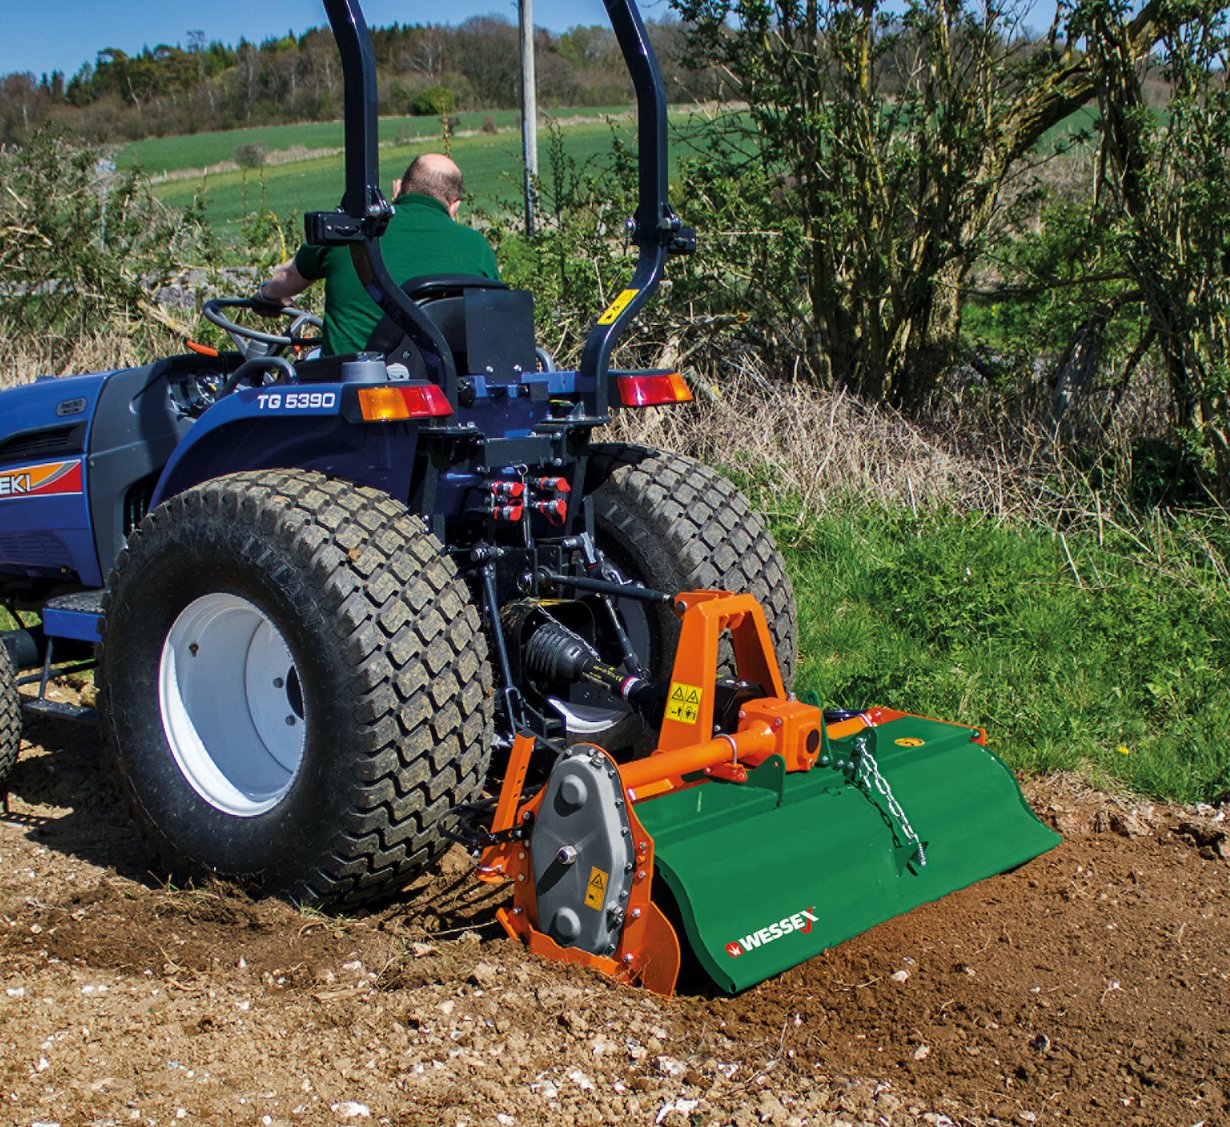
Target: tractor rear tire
column 295, row 686
column 10, row 717
column 673, row 524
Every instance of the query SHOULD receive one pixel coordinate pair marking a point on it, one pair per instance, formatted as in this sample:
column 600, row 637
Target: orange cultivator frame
column 648, row 952
column 791, row 815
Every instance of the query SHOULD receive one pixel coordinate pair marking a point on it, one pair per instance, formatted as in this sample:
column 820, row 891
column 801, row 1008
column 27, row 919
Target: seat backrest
column 488, row 327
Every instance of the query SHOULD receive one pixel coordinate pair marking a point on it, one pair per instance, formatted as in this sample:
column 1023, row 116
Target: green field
column 160, row 155
column 491, row 163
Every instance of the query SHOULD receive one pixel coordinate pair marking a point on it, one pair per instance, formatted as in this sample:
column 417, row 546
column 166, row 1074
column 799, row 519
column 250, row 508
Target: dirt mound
column 1087, row 987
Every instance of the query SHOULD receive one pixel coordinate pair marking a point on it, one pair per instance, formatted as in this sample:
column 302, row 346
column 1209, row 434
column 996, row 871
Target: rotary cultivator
column 760, row 831
column 329, row 599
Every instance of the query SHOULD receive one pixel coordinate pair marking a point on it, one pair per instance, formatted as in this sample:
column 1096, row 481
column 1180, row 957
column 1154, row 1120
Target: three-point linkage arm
column 364, row 212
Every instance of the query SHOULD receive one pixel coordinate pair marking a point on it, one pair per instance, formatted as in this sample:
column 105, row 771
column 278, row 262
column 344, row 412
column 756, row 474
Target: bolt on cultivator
column 324, row 596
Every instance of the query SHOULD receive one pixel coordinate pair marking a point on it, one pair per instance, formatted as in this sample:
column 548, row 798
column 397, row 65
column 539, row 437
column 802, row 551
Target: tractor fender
column 291, row 427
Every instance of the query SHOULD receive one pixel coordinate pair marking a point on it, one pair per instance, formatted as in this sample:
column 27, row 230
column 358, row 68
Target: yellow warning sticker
column 595, row 893
column 909, row 741
column 617, row 307
column 684, row 703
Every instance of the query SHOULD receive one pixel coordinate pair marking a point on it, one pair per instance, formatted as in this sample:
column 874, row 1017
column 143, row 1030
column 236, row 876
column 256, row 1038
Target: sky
column 67, row 33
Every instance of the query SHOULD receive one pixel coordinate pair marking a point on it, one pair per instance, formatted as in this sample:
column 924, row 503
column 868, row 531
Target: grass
column 1107, row 655
column 1082, row 120
column 287, row 188
column 491, row 164
column 160, row 155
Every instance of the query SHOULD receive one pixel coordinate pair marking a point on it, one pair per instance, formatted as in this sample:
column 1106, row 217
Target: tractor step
column 57, row 710
column 77, row 616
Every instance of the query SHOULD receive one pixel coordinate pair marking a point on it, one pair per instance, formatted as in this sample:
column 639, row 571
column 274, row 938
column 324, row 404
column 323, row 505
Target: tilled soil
column 1088, row 987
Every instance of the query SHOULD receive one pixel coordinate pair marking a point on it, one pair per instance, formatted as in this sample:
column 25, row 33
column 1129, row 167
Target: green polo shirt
column 421, row 239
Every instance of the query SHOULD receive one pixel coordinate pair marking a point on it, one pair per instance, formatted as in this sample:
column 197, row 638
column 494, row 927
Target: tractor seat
column 488, row 328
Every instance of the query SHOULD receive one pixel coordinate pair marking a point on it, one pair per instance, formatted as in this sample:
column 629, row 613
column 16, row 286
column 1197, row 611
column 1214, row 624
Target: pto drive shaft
column 559, row 656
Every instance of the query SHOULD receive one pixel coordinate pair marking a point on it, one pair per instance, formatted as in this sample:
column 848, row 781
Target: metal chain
column 867, row 775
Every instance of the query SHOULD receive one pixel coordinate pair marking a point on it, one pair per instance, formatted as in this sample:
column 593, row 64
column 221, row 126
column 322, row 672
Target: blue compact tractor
column 343, row 611
column 320, row 595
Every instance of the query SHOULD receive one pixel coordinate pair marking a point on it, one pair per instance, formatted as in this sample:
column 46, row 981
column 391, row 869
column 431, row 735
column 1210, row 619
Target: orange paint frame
column 648, row 953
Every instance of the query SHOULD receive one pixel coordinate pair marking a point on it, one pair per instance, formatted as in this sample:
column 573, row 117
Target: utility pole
column 104, row 171
column 529, row 110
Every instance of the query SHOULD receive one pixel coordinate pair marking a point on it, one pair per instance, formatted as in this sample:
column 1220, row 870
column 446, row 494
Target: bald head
column 435, row 175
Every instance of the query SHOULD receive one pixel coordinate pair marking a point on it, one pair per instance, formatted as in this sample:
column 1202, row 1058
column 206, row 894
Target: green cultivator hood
column 770, row 872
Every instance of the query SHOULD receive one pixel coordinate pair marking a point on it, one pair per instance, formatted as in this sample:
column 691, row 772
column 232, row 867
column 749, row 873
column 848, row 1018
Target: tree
column 1166, row 189
column 889, row 132
column 23, row 105
column 428, row 50
column 589, row 46
column 488, row 55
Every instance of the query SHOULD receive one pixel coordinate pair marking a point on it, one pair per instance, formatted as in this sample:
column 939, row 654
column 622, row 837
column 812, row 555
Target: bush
column 433, row 101
column 91, row 251
column 252, row 155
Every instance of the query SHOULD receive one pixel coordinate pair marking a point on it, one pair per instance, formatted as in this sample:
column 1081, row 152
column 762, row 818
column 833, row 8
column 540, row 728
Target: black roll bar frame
column 364, row 213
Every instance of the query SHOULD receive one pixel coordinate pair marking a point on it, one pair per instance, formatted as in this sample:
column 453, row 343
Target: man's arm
column 285, row 283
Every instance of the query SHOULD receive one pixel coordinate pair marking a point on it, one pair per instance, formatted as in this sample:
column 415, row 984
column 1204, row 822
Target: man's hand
column 274, row 295
column 264, row 305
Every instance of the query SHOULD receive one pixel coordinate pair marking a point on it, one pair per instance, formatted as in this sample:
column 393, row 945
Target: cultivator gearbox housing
column 759, row 832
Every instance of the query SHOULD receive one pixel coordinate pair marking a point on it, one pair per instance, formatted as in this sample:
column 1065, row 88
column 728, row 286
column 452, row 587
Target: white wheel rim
column 232, row 705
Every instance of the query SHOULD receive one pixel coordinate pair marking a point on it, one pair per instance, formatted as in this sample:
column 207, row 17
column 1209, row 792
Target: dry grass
column 818, row 448
column 23, row 358
column 801, row 452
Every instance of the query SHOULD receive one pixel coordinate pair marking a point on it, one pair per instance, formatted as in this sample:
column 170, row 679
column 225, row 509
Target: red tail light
column 390, row 404
column 652, row 389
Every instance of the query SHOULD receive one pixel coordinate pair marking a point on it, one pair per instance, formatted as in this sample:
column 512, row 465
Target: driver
column 423, row 237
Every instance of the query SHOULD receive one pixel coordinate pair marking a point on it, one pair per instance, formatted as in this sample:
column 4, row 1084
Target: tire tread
column 10, row 717
column 658, row 501
column 379, row 576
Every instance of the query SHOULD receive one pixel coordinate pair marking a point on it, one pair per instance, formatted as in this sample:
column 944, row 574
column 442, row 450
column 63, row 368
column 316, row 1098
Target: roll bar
column 364, row 212
column 656, row 229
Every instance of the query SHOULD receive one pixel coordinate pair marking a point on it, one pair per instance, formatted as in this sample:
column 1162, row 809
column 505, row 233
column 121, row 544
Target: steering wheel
column 253, row 343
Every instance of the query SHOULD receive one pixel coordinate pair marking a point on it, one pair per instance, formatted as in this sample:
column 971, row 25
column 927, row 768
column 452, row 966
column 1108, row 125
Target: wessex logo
column 800, row 922
column 36, row 481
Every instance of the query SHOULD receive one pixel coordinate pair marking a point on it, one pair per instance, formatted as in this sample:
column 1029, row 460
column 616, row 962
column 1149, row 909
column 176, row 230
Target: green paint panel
column 773, row 871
